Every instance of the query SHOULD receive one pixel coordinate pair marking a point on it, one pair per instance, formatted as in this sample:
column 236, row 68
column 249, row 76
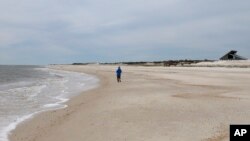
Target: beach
column 150, row 104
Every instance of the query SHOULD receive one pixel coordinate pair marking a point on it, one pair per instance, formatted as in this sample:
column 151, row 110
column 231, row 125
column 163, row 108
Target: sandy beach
column 151, row 104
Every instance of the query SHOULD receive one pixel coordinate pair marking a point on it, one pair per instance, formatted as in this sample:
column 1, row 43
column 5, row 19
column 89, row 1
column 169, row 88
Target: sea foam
column 22, row 100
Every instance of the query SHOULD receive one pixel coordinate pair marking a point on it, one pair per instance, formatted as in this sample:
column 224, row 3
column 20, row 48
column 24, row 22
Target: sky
column 67, row 31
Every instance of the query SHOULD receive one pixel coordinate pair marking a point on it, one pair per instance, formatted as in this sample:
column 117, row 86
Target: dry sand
column 151, row 104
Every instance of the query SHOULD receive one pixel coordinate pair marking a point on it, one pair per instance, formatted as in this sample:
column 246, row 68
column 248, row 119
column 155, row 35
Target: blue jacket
column 119, row 71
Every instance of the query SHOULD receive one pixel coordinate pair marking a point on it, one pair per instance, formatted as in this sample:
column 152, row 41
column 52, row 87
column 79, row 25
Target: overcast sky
column 67, row 31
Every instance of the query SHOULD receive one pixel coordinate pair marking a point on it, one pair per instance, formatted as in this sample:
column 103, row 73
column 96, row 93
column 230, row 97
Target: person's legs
column 118, row 78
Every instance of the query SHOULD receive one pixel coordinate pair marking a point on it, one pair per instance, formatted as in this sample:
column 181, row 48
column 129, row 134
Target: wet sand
column 151, row 104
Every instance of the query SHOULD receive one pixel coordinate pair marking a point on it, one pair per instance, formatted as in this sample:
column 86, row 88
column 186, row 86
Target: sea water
column 27, row 90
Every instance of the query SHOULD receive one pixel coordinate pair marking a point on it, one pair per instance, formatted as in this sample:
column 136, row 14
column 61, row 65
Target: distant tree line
column 153, row 63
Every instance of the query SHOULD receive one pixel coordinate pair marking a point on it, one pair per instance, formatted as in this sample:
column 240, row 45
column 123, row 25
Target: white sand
column 151, row 104
column 232, row 63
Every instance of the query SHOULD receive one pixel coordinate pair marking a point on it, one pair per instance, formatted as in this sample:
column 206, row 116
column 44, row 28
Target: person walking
column 118, row 74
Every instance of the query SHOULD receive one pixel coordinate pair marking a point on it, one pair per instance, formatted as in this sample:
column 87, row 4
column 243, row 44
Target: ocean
column 27, row 90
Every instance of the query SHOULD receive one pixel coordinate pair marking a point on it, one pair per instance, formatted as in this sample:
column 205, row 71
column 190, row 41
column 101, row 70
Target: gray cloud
column 60, row 31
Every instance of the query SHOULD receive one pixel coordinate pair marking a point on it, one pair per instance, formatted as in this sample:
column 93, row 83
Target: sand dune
column 228, row 63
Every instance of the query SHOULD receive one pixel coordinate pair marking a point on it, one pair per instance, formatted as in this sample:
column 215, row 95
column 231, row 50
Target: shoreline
column 61, row 104
column 150, row 104
column 33, row 118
